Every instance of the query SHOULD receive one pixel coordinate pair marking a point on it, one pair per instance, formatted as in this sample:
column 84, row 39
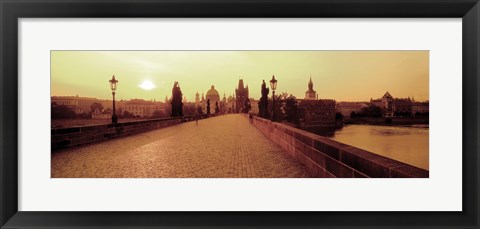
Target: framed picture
column 227, row 114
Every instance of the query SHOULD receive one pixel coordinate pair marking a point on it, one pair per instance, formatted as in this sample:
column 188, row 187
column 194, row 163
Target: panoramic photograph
column 239, row 114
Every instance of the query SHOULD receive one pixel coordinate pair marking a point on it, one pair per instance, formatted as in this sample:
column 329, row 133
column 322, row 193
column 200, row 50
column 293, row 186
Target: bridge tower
column 241, row 94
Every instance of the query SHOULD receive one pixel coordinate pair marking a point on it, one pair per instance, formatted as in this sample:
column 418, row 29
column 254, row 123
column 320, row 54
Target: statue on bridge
column 177, row 104
column 208, row 106
column 263, row 103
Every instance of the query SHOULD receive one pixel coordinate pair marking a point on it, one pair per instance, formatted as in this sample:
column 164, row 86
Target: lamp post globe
column 113, row 86
column 273, row 86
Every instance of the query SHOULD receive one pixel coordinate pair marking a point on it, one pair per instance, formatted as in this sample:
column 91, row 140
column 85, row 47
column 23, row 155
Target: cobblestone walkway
column 221, row 147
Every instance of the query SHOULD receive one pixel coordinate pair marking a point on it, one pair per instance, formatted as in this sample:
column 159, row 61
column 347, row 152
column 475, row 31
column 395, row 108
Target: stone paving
column 221, row 147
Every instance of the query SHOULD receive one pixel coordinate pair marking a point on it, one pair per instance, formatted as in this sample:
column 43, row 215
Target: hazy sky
column 339, row 75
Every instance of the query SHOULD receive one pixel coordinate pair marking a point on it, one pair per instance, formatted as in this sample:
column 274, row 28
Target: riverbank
column 395, row 121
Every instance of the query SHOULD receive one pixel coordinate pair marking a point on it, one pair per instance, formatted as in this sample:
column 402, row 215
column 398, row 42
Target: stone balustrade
column 75, row 136
column 325, row 157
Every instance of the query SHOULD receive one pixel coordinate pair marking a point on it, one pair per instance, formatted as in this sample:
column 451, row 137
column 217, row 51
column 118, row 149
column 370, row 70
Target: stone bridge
column 228, row 146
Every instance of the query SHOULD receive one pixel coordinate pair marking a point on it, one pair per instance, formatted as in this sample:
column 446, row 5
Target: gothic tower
column 241, row 94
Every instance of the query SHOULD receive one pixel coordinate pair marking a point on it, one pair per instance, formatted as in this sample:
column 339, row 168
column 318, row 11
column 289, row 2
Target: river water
column 408, row 144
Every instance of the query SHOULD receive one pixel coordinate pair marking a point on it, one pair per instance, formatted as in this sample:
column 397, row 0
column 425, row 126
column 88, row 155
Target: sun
column 147, row 85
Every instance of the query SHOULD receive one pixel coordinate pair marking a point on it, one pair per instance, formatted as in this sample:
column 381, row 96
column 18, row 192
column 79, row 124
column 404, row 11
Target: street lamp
column 113, row 86
column 273, row 86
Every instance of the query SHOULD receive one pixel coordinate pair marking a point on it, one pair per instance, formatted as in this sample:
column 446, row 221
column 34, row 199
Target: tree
column 168, row 107
column 278, row 108
column 353, row 114
column 159, row 114
column 62, row 111
column 247, row 106
column 189, row 109
column 290, row 109
column 177, row 104
column 338, row 116
column 96, row 107
column 127, row 114
column 371, row 111
column 199, row 110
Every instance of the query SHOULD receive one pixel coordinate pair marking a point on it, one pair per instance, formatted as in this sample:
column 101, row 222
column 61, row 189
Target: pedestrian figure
column 250, row 117
column 196, row 119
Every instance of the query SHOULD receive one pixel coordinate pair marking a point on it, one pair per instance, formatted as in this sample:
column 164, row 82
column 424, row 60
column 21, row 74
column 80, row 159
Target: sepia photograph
column 226, row 114
column 239, row 114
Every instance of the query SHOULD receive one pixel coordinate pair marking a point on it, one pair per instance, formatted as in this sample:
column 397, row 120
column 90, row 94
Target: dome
column 212, row 95
column 212, row 92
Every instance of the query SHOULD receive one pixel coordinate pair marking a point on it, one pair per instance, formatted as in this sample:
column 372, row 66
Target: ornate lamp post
column 273, row 86
column 113, row 86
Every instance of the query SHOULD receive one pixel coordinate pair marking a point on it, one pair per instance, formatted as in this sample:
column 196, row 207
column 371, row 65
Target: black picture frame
column 11, row 11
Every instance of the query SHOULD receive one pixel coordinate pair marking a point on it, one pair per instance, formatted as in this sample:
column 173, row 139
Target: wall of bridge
column 325, row 157
column 75, row 136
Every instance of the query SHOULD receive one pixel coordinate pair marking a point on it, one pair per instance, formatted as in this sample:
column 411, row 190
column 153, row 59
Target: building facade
column 83, row 105
column 141, row 108
column 420, row 108
column 346, row 108
column 402, row 107
column 386, row 103
column 316, row 112
column 319, row 112
column 80, row 105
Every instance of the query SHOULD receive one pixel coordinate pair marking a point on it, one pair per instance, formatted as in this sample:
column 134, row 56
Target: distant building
column 386, row 103
column 80, row 105
column 142, row 108
column 346, row 108
column 316, row 112
column 254, row 107
column 420, row 108
column 197, row 100
column 398, row 106
column 98, row 115
column 65, row 100
column 319, row 112
column 241, row 94
column 230, row 105
column 402, row 107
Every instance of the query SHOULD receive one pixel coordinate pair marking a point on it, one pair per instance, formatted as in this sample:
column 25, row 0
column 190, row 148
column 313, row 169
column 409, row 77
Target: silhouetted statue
column 217, row 110
column 247, row 107
column 208, row 106
column 177, row 105
column 263, row 103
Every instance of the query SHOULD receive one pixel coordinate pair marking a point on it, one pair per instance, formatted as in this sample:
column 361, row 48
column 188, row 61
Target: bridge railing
column 325, row 157
column 74, row 136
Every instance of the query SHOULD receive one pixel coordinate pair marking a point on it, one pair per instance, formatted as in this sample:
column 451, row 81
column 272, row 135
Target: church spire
column 310, row 94
column 310, row 83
